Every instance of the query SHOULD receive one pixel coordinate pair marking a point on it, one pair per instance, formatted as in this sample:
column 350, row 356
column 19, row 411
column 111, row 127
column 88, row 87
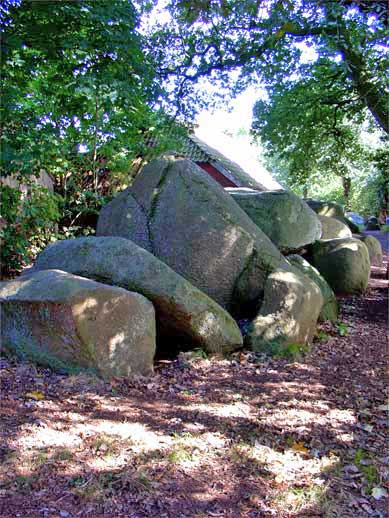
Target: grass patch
column 107, row 483
column 282, row 350
column 363, row 462
column 63, row 454
column 321, row 336
column 297, row 499
column 24, row 483
column 105, row 445
column 342, row 328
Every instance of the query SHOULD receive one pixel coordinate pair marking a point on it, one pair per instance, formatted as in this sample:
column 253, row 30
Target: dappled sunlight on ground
column 243, row 436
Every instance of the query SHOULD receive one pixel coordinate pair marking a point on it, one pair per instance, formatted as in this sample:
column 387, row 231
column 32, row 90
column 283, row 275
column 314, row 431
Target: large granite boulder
column 289, row 313
column 349, row 223
column 284, row 217
column 196, row 228
column 124, row 217
column 333, row 228
column 183, row 312
column 329, row 310
column 375, row 249
column 63, row 320
column 344, row 263
column 330, row 209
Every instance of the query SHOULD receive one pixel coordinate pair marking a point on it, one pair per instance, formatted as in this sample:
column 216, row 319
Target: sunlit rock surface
column 375, row 249
column 196, row 228
column 183, row 312
column 333, row 228
column 329, row 311
column 330, row 209
column 289, row 312
column 60, row 319
column 344, row 263
column 284, row 217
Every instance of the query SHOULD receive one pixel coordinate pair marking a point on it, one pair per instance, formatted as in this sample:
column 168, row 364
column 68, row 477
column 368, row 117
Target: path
column 240, row 438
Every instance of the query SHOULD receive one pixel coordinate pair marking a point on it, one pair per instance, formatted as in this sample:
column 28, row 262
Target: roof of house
column 197, row 150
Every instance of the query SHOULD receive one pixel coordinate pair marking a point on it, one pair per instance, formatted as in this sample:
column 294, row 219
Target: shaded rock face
column 289, row 312
column 375, row 249
column 183, row 312
column 329, row 310
column 53, row 317
column 330, row 209
column 332, row 228
column 196, row 228
column 372, row 223
column 286, row 219
column 344, row 263
column 350, row 224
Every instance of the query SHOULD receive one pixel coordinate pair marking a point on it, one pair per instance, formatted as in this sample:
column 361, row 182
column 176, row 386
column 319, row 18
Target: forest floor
column 239, row 437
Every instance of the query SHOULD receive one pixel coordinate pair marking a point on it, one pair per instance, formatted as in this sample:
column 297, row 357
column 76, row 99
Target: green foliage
column 322, row 336
column 292, row 351
column 303, row 124
column 317, row 107
column 78, row 102
column 367, row 468
column 342, row 328
column 262, row 40
column 29, row 222
column 74, row 73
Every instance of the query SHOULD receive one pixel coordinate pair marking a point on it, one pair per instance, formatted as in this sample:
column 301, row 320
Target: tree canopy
column 77, row 100
column 87, row 84
column 262, row 41
column 73, row 73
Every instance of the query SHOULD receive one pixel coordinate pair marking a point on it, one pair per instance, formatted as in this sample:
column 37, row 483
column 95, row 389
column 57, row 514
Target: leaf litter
column 243, row 436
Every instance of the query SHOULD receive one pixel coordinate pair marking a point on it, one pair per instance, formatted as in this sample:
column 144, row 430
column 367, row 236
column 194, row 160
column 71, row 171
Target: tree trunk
column 94, row 155
column 346, row 182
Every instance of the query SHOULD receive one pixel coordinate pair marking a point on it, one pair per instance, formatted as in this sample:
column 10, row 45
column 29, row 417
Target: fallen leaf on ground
column 35, row 394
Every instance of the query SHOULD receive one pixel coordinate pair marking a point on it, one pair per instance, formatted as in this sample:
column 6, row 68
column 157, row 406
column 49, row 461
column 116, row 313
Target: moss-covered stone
column 63, row 320
column 329, row 311
column 281, row 215
column 344, row 263
column 183, row 311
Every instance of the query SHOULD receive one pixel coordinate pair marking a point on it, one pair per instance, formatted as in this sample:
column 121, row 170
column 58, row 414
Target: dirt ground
column 243, row 436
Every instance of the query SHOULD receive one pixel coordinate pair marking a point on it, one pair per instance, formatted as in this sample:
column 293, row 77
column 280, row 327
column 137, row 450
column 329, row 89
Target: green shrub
column 29, row 223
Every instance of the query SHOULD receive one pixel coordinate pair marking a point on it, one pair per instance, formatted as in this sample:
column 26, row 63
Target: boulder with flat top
column 284, row 217
column 66, row 321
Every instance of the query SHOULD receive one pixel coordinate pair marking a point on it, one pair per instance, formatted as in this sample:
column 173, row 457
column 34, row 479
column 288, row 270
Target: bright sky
column 227, row 129
column 220, row 129
column 215, row 126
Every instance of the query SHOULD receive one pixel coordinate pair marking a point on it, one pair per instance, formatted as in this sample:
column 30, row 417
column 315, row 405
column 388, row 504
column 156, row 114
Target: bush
column 29, row 222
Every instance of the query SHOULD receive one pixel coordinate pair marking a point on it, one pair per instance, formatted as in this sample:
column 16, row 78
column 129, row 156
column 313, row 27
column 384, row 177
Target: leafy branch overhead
column 262, row 40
